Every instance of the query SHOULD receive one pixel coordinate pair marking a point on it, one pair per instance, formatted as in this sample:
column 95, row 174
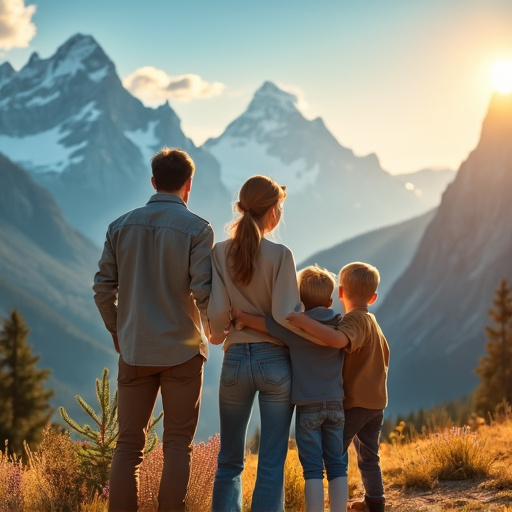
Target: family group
column 164, row 290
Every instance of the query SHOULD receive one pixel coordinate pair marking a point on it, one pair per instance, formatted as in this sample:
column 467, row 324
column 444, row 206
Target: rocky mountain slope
column 435, row 314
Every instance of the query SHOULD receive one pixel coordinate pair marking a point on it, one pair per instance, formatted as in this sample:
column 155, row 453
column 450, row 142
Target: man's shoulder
column 204, row 222
column 164, row 214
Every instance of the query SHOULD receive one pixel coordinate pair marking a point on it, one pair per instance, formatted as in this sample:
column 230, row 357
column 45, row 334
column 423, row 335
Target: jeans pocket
column 311, row 420
column 229, row 372
column 336, row 417
column 276, row 371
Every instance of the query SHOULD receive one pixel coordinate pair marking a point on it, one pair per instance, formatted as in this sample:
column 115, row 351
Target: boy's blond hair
column 316, row 286
column 359, row 281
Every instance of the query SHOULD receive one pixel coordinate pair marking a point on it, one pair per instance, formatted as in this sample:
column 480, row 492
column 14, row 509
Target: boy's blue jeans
column 363, row 426
column 319, row 436
column 248, row 369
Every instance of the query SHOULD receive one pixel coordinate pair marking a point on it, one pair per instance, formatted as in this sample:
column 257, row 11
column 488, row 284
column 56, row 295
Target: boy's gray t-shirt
column 316, row 369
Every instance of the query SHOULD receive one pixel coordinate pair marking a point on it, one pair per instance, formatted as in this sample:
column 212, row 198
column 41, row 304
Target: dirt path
column 463, row 496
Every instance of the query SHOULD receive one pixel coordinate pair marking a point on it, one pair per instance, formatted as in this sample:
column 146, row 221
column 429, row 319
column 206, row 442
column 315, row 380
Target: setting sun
column 501, row 73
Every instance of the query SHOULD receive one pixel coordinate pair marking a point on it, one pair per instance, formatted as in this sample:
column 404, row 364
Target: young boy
column 317, row 391
column 365, row 371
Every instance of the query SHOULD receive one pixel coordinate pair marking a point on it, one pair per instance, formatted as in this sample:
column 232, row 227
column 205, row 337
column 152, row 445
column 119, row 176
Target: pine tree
column 96, row 454
column 495, row 369
column 25, row 409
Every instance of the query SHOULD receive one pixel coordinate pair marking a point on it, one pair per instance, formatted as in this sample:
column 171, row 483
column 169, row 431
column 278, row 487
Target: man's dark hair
column 171, row 169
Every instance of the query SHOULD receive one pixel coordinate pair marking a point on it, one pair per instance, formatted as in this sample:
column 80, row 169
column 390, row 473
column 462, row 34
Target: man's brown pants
column 138, row 388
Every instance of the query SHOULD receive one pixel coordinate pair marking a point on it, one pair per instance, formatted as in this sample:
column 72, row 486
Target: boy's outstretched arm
column 329, row 336
column 243, row 319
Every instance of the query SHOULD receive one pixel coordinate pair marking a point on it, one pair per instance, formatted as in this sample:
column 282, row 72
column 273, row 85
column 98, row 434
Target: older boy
column 317, row 391
column 365, row 371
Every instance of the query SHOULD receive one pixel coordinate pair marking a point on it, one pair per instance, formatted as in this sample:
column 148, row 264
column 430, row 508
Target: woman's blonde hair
column 257, row 195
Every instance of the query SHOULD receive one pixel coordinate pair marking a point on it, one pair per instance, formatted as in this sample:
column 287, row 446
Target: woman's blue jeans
column 247, row 369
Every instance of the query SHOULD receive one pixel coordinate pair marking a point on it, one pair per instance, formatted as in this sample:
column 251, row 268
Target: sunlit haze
column 502, row 76
column 406, row 80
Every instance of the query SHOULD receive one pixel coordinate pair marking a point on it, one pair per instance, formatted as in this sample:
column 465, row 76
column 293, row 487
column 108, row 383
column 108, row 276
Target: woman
column 252, row 274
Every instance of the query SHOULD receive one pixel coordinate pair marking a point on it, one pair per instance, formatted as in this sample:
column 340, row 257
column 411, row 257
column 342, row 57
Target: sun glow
column 501, row 73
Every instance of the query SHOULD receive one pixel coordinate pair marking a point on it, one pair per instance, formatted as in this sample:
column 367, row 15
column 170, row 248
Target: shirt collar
column 166, row 198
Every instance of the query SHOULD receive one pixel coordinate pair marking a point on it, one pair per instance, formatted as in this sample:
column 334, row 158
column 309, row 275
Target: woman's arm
column 328, row 335
column 243, row 319
column 219, row 305
column 285, row 297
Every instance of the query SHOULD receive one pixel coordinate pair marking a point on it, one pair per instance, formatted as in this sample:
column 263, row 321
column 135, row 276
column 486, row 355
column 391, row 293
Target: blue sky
column 407, row 80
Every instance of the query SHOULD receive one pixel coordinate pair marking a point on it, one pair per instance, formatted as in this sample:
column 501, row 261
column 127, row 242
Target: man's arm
column 329, row 336
column 105, row 290
column 116, row 343
column 200, row 269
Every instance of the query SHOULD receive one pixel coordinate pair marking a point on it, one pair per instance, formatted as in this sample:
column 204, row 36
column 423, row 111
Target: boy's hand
column 298, row 319
column 239, row 319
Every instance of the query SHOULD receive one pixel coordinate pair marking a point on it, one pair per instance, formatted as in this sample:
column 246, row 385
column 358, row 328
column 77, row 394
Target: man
column 152, row 291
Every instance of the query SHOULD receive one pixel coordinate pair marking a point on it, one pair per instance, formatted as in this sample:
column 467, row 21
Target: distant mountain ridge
column 46, row 273
column 69, row 121
column 390, row 249
column 333, row 195
column 435, row 314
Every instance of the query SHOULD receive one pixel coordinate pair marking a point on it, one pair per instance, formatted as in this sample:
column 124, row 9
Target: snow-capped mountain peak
column 81, row 53
column 68, row 120
column 270, row 100
column 41, row 78
column 261, row 141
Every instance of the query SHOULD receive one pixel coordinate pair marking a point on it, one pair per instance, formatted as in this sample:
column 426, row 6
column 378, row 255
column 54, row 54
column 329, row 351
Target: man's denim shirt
column 154, row 282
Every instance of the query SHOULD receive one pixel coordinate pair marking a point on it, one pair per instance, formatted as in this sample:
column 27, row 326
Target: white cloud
column 154, row 86
column 16, row 27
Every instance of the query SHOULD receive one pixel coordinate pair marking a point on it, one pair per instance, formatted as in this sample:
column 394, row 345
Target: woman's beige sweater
column 272, row 291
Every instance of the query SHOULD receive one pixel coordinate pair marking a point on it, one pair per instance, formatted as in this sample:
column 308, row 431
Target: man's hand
column 217, row 340
column 116, row 343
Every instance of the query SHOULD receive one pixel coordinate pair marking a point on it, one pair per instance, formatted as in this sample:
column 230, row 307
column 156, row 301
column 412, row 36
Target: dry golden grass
column 454, row 454
column 294, row 482
column 416, row 471
column 52, row 480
